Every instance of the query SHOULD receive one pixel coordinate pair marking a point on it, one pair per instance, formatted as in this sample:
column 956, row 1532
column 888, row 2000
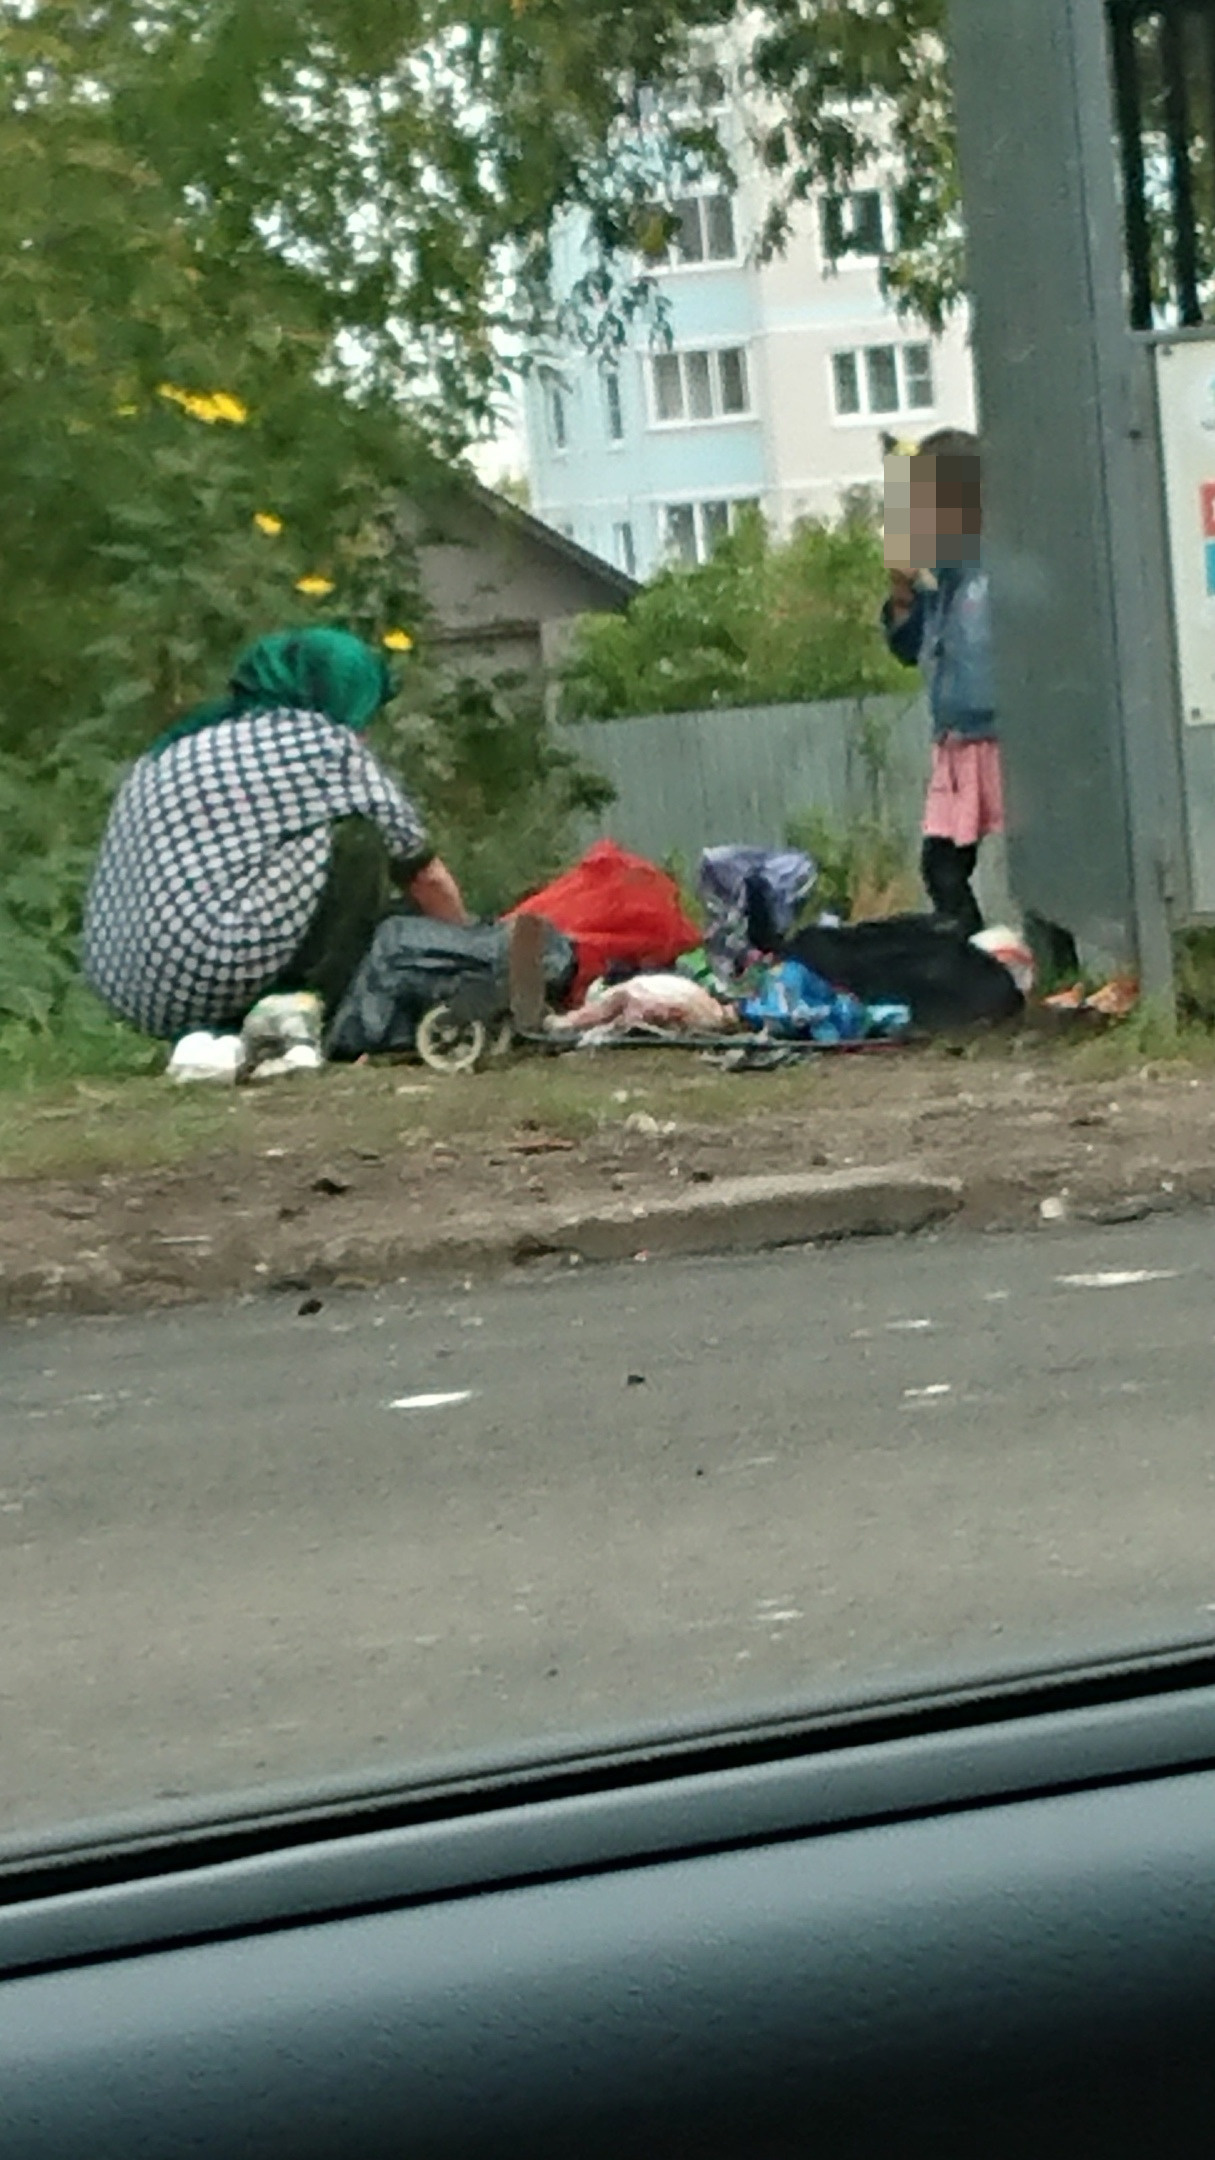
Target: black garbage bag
column 912, row 960
column 414, row 963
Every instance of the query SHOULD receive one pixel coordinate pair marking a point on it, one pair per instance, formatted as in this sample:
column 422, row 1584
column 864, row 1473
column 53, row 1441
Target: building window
column 556, row 413
column 692, row 530
column 691, row 386
column 613, row 405
column 852, row 224
column 920, row 390
column 714, row 524
column 625, row 547
column 883, row 379
column 705, row 232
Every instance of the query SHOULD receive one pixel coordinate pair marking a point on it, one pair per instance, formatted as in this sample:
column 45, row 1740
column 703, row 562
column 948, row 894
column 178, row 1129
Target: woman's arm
column 903, row 618
column 434, row 890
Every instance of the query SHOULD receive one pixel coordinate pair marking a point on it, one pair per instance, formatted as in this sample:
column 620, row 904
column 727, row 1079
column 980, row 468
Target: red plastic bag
column 617, row 908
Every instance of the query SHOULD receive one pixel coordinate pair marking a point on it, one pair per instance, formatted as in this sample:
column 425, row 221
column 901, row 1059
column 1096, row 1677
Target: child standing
column 938, row 617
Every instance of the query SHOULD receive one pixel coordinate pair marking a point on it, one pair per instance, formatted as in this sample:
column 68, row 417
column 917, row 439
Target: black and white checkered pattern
column 215, row 858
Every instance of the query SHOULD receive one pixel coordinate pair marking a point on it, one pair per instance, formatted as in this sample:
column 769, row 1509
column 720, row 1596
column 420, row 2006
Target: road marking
column 1117, row 1278
column 431, row 1402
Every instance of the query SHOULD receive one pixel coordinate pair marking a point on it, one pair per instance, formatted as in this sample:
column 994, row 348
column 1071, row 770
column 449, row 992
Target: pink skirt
column 965, row 792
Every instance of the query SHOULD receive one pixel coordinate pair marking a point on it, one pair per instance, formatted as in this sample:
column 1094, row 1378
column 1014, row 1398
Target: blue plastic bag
column 793, row 1004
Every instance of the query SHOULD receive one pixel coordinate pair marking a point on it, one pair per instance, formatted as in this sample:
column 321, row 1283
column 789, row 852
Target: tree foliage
column 758, row 624
column 259, row 261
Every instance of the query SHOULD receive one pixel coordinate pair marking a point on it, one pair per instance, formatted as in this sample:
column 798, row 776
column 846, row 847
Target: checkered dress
column 215, row 858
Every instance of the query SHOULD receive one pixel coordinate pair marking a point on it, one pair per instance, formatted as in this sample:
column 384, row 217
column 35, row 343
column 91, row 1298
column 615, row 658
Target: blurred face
column 933, row 513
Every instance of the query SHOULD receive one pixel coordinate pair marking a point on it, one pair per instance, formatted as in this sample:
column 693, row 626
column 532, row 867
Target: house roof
column 622, row 587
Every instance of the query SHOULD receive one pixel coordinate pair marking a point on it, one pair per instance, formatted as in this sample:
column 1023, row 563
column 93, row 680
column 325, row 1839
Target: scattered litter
column 1053, row 1209
column 431, row 1402
column 909, row 1327
column 543, row 1144
column 1011, row 951
column 635, row 1379
column 301, row 1057
column 926, row 1394
column 310, row 1306
column 202, row 1056
column 331, row 1184
column 1113, row 1001
column 745, row 890
column 1116, row 1278
column 663, row 1002
column 282, row 1035
column 642, row 1121
column 792, row 1001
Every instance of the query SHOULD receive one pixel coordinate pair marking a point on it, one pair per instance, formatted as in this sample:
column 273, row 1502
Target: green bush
column 503, row 795
column 864, row 868
column 761, row 623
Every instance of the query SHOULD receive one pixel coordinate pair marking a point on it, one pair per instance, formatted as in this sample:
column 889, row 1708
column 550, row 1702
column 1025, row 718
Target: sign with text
column 1185, row 378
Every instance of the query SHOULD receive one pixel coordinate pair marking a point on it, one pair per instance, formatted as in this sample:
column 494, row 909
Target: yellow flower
column 266, row 522
column 315, row 587
column 226, row 407
column 219, row 405
column 398, row 641
column 127, row 412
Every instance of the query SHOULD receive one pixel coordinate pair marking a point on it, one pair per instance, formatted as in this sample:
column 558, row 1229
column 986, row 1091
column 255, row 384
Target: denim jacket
column 948, row 635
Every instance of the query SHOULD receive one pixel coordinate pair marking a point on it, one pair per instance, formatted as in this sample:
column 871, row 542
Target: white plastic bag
column 202, row 1056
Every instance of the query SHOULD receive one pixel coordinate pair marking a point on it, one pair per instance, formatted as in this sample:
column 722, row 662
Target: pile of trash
column 615, row 956
column 755, row 973
column 281, row 1035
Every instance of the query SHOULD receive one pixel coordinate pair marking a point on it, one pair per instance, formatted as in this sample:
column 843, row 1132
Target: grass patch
column 1152, row 1035
column 86, row 1127
column 83, row 1043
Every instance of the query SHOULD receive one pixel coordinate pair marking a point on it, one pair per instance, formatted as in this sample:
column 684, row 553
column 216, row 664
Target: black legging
column 947, row 870
column 358, row 894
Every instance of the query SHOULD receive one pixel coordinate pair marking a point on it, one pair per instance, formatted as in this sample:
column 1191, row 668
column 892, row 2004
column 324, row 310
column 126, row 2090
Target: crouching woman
column 257, row 844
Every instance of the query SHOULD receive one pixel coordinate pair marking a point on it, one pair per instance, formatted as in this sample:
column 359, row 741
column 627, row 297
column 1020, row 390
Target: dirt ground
column 136, row 1192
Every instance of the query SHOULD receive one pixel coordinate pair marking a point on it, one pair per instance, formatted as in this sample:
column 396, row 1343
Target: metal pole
column 1074, row 496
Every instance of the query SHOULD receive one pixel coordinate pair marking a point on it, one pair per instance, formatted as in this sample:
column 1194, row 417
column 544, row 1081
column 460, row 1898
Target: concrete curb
column 757, row 1214
column 731, row 1215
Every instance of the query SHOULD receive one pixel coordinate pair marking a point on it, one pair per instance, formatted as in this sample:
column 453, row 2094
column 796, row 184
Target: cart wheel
column 450, row 1045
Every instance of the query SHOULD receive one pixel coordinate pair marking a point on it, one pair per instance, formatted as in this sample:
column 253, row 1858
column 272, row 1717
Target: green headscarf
column 326, row 671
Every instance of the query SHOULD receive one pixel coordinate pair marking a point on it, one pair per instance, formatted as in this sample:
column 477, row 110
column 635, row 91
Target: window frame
column 713, row 352
column 555, row 398
column 867, row 415
column 850, row 254
column 613, row 406
column 624, row 546
column 670, row 264
column 734, row 505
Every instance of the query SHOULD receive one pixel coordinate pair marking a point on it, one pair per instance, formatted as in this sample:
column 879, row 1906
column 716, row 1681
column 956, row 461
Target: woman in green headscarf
column 257, row 843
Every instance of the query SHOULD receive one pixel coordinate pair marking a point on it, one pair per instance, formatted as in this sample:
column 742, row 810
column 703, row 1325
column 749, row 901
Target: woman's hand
column 436, row 892
column 902, row 594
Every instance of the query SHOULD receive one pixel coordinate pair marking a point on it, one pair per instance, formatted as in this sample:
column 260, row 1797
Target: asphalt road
column 236, row 1548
